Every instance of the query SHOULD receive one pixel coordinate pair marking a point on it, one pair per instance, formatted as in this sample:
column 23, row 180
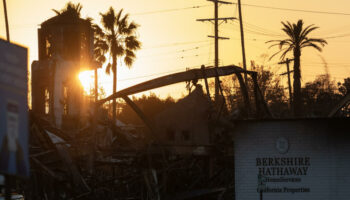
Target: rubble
column 187, row 156
column 67, row 167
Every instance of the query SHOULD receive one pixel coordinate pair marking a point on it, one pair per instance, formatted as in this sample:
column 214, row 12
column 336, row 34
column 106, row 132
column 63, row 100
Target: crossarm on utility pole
column 221, row 38
column 222, row 2
column 287, row 61
column 219, row 18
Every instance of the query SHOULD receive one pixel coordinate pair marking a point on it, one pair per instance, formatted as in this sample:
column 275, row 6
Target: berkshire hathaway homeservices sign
column 292, row 159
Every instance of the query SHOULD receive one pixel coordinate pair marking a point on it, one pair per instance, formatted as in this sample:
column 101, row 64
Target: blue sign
column 13, row 110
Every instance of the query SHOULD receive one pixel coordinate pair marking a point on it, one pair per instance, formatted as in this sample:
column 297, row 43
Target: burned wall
column 186, row 122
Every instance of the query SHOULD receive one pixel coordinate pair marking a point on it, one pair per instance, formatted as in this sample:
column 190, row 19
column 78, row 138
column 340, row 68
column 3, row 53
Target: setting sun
column 87, row 80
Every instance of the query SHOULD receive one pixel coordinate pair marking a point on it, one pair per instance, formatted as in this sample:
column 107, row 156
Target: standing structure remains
column 185, row 129
column 65, row 48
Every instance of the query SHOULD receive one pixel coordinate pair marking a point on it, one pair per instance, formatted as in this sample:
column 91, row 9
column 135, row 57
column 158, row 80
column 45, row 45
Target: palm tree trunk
column 114, row 69
column 296, row 84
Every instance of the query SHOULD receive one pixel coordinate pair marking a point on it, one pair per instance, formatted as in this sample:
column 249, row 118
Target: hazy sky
column 173, row 40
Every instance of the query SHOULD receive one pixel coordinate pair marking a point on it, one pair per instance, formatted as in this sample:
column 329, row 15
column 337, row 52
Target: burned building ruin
column 65, row 44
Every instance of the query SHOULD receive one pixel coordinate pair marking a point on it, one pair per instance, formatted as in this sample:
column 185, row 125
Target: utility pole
column 6, row 22
column 242, row 42
column 8, row 178
column 287, row 61
column 216, row 37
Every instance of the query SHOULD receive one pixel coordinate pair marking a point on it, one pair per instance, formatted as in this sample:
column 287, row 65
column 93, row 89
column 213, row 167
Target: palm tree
column 120, row 35
column 296, row 41
column 100, row 49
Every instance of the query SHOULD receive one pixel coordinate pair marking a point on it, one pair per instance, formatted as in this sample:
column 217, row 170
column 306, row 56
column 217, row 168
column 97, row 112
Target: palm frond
column 132, row 27
column 129, row 53
column 132, row 43
column 306, row 31
column 283, row 55
column 322, row 42
column 56, row 11
column 128, row 61
column 273, row 55
column 313, row 45
column 123, row 25
column 269, row 41
column 118, row 50
column 71, row 9
column 288, row 29
column 108, row 68
column 108, row 19
column 119, row 15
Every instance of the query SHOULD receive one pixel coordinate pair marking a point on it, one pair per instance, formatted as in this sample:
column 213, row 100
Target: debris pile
column 186, row 152
column 117, row 164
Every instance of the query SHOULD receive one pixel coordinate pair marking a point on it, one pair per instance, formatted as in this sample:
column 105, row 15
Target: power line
column 249, row 28
column 176, row 44
column 253, row 29
column 195, row 48
column 329, row 63
column 297, row 10
column 191, row 56
column 338, row 36
column 169, row 10
column 261, row 29
column 155, row 74
column 149, row 75
column 174, row 51
column 173, row 57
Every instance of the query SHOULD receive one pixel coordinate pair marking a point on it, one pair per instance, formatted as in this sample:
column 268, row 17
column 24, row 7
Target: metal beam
column 175, row 78
column 139, row 112
column 341, row 104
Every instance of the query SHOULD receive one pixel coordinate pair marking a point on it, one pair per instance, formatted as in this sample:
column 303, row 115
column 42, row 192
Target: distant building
column 65, row 48
column 183, row 127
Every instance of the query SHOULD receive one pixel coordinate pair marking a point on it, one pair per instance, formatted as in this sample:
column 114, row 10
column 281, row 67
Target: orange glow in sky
column 87, row 80
column 172, row 39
